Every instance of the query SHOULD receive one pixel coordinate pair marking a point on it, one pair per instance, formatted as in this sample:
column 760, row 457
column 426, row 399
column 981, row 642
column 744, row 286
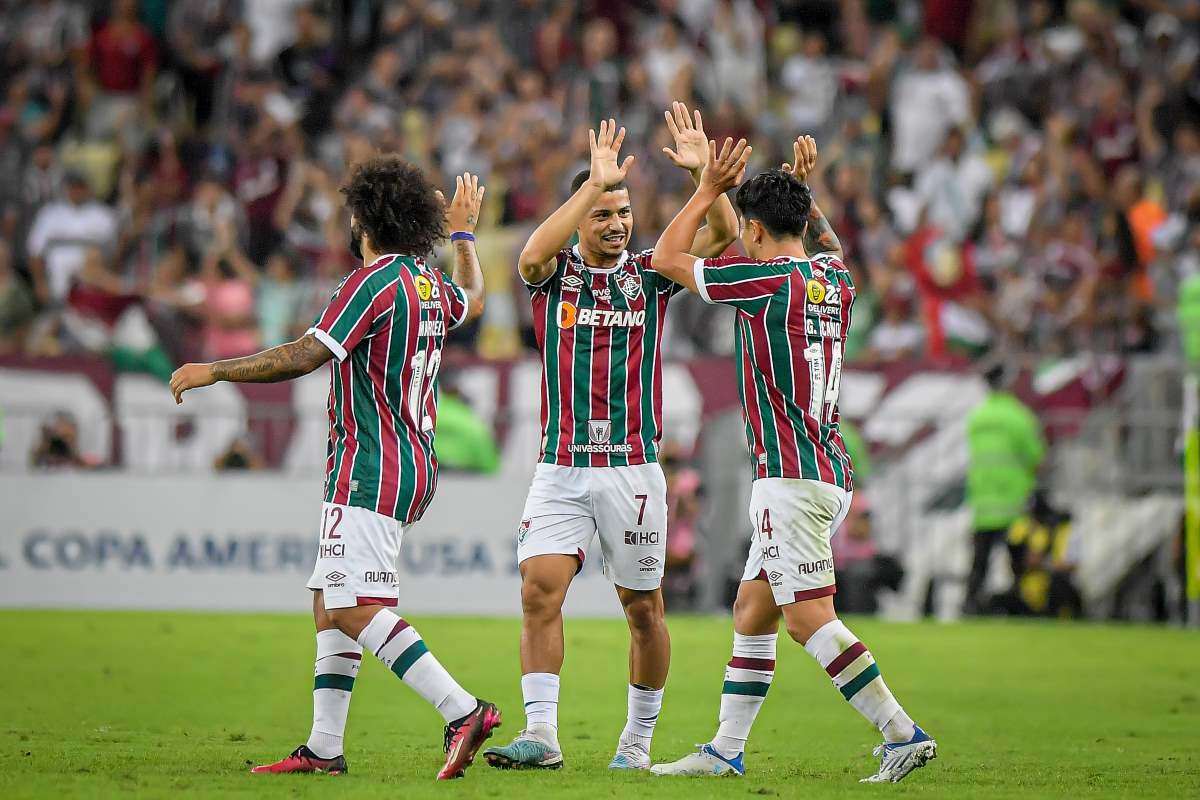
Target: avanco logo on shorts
column 379, row 577
column 814, row 567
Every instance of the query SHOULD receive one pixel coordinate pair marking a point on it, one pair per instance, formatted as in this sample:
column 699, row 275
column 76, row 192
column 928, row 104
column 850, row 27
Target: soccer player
column 599, row 312
column 384, row 326
column 793, row 297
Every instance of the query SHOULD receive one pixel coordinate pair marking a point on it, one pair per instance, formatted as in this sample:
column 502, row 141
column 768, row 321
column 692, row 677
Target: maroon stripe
column 351, row 656
column 761, row 576
column 813, row 594
column 841, row 662
column 760, row 664
column 377, row 601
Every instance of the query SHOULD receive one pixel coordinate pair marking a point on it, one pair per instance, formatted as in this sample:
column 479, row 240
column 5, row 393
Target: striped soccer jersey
column 599, row 332
column 792, row 319
column 385, row 326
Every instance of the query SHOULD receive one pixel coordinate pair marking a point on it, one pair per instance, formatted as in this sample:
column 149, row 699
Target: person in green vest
column 463, row 441
column 1005, row 448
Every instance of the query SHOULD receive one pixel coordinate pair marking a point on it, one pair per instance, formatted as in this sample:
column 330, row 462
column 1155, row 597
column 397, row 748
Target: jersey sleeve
column 740, row 282
column 654, row 281
column 544, row 286
column 358, row 310
column 457, row 303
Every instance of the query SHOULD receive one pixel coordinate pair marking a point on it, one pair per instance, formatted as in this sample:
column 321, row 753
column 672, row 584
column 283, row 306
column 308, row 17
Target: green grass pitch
column 99, row 704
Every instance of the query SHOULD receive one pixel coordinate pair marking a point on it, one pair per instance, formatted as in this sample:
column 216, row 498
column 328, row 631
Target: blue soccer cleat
column 705, row 761
column 897, row 759
column 527, row 751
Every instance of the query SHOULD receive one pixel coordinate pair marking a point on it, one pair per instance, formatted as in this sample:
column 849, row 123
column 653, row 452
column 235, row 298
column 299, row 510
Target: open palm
column 606, row 148
column 691, row 143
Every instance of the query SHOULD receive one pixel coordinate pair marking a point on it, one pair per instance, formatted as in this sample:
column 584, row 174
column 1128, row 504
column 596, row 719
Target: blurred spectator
column 228, row 280
column 62, row 233
column 16, row 304
column 898, row 335
column 951, row 187
column 928, row 98
column 57, row 446
column 862, row 570
column 240, row 455
column 1005, row 448
column 684, row 496
column 1044, row 539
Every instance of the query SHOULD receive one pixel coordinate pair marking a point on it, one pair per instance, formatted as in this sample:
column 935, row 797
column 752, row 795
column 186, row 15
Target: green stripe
column 550, row 347
column 745, row 687
column 866, row 676
column 339, row 449
column 343, row 682
column 365, row 465
column 618, row 382
column 649, row 368
column 409, row 657
column 581, row 393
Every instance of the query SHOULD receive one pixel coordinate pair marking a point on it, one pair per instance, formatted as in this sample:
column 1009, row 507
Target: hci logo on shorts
column 599, row 430
column 641, row 537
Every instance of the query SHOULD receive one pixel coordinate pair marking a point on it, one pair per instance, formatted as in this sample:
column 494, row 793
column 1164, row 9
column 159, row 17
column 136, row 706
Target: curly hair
column 778, row 200
column 396, row 205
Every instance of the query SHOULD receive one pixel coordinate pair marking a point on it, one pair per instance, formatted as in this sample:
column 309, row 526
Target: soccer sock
column 540, row 690
column 854, row 672
column 338, row 659
column 747, row 679
column 644, row 705
column 398, row 645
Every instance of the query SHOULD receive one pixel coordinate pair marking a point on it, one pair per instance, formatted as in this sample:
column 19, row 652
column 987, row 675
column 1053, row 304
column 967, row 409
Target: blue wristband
column 462, row 236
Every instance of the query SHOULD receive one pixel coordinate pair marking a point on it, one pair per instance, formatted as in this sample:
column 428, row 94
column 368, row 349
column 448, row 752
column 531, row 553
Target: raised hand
column 463, row 212
column 804, row 153
column 725, row 169
column 691, row 144
column 606, row 146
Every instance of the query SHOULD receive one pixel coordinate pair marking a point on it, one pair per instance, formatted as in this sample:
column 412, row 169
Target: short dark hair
column 777, row 199
column 396, row 205
column 582, row 176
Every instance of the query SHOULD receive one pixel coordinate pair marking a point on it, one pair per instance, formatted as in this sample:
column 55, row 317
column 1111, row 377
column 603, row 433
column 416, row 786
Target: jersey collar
column 601, row 270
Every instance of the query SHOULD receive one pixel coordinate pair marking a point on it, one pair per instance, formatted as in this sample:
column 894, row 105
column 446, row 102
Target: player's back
column 387, row 323
column 793, row 316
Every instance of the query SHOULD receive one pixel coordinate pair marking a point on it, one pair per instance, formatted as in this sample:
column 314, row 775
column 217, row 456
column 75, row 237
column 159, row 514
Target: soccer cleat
column 464, row 737
column 897, row 759
column 527, row 751
column 304, row 760
column 630, row 756
column 705, row 761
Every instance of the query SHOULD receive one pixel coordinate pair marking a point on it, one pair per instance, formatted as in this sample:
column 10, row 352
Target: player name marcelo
column 432, row 327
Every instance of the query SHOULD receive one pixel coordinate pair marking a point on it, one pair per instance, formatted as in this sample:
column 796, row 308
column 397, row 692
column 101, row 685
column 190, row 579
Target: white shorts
column 356, row 557
column 793, row 521
column 627, row 506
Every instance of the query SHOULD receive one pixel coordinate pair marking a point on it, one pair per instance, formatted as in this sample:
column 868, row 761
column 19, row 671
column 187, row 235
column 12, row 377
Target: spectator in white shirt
column 62, row 233
column 927, row 100
column 953, row 185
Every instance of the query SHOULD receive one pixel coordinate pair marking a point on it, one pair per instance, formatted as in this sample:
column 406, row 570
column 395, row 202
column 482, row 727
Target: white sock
column 398, row 645
column 644, row 705
column 338, row 660
column 854, row 672
column 540, row 691
column 748, row 676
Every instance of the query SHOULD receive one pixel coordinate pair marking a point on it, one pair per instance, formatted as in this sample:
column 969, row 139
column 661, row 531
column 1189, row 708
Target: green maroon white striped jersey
column 385, row 326
column 599, row 332
column 792, row 319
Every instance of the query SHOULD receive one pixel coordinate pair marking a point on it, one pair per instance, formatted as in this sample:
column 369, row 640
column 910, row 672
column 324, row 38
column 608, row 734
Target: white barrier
column 246, row 541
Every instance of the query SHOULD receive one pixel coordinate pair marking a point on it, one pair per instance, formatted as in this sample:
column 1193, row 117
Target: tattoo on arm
column 280, row 363
column 819, row 236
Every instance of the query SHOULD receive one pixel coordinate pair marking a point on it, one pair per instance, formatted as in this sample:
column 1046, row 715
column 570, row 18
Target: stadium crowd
column 1015, row 174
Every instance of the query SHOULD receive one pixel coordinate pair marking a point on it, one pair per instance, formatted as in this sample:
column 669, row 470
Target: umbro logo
column 572, row 283
column 335, row 576
column 775, row 576
column 648, row 561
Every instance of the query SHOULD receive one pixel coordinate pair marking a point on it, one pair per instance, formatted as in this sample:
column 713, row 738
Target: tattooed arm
column 818, row 235
column 280, row 363
column 463, row 215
